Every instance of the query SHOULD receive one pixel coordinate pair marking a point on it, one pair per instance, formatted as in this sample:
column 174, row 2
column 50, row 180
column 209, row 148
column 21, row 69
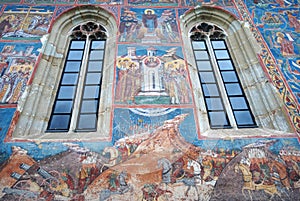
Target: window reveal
column 225, row 100
column 78, row 96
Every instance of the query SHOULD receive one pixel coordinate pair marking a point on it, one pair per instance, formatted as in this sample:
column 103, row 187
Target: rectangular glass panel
column 66, row 92
column 207, row 77
column 59, row 122
column 75, row 55
column 221, row 54
column 198, row 45
column 69, row 79
column 225, row 65
column 96, row 55
column 210, row 90
column 91, row 92
column 77, row 44
column 95, row 66
column 243, row 118
column 63, row 106
column 87, row 121
column 218, row 44
column 204, row 65
column 218, row 119
column 229, row 76
column 214, row 104
column 93, row 78
column 238, row 103
column 89, row 106
column 98, row 44
column 201, row 55
column 72, row 66
column 233, row 89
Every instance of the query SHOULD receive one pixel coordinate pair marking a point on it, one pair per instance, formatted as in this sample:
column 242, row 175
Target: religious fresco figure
column 6, row 25
column 149, row 19
column 128, row 80
column 148, row 26
column 286, row 45
column 293, row 21
column 128, row 26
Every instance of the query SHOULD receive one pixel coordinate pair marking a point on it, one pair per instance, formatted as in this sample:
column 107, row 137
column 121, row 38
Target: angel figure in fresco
column 286, row 45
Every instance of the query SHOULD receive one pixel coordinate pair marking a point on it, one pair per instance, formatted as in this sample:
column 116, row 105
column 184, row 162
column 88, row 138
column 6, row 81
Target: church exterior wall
column 153, row 139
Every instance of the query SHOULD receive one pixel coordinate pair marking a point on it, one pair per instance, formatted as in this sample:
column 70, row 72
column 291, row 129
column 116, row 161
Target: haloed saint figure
column 149, row 20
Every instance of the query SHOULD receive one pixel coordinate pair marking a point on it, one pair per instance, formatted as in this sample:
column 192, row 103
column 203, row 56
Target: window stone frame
column 269, row 112
column 36, row 104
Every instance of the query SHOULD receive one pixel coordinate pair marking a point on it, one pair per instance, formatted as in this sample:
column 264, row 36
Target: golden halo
column 147, row 10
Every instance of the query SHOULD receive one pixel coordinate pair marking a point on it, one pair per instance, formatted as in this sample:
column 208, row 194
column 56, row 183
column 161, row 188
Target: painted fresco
column 148, row 26
column 50, row 1
column 17, row 62
column 144, row 121
column 285, row 43
column 278, row 21
column 160, row 165
column 151, row 75
column 112, row 2
column 153, row 2
column 24, row 22
column 155, row 151
column 207, row 3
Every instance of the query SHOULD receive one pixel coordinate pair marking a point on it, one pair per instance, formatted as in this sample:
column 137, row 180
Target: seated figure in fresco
column 149, row 20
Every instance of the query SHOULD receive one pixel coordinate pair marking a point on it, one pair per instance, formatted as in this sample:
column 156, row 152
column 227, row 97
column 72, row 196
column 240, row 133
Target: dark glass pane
column 72, row 66
column 229, row 76
column 66, row 92
column 204, row 65
column 201, row 55
column 210, row 90
column 93, row 78
column 95, row 66
column 77, row 44
column 225, row 65
column 91, row 92
column 218, row 44
column 218, row 119
column 89, row 106
column 198, row 45
column 59, row 122
column 233, row 89
column 87, row 121
column 98, row 44
column 243, row 118
column 75, row 55
column 221, row 54
column 214, row 104
column 69, row 78
column 238, row 103
column 207, row 77
column 96, row 55
column 63, row 106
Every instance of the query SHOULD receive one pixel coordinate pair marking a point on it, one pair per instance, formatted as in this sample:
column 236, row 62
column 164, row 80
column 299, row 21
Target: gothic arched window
column 77, row 99
column 233, row 91
column 224, row 97
column 71, row 92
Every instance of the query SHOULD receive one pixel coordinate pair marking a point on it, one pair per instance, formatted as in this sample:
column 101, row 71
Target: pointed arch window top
column 89, row 29
column 206, row 30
